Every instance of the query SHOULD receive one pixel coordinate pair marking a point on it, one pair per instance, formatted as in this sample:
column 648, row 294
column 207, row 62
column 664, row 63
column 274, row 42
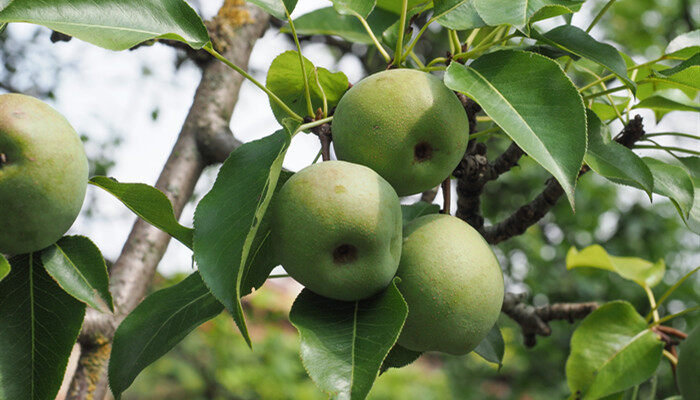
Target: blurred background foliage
column 215, row 363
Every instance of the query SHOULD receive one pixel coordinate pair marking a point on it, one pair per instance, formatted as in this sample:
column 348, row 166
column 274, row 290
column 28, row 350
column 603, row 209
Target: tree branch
column 532, row 212
column 535, row 320
column 234, row 31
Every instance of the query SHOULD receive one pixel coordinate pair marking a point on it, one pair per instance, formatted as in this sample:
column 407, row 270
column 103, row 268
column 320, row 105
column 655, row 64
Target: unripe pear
column 337, row 230
column 404, row 124
column 43, row 174
column 452, row 283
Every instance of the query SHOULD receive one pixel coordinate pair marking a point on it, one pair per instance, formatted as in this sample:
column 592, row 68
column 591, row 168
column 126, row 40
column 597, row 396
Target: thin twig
column 534, row 321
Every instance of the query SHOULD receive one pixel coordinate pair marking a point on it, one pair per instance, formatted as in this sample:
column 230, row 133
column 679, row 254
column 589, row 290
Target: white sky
column 103, row 93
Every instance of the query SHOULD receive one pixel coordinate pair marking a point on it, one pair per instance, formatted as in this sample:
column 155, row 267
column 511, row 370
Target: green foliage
column 399, row 357
column 410, row 212
column 343, row 344
column 689, row 364
column 520, row 12
column 4, row 267
column 613, row 160
column 611, row 350
column 558, row 142
column 148, row 203
column 326, row 21
column 39, row 323
column 492, row 348
column 673, row 182
column 113, row 24
column 285, row 79
column 577, row 41
column 228, row 217
column 161, row 321
column 642, row 272
column 76, row 264
column 277, row 8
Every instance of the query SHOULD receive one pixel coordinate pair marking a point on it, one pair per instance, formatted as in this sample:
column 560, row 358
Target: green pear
column 43, row 174
column 337, row 230
column 452, row 283
column 689, row 365
column 404, row 124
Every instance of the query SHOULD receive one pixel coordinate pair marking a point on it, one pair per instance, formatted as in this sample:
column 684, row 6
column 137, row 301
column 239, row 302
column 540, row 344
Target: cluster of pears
column 43, row 174
column 338, row 224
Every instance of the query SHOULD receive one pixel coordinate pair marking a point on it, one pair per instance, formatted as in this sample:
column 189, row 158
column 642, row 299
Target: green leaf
column 113, row 24
column 673, row 182
column 276, row 8
column 409, row 212
column 228, row 218
column 39, row 323
column 577, row 41
column 613, row 160
column 394, row 6
column 78, row 267
column 148, row 203
column 642, row 272
column 497, row 82
column 326, row 21
column 399, row 357
column 443, row 7
column 685, row 45
column 611, row 350
column 156, row 325
column 343, row 344
column 605, row 111
column 286, row 80
column 349, row 7
column 666, row 101
column 519, row 12
column 463, row 17
column 492, row 348
column 692, row 165
column 4, row 267
column 690, row 64
column 262, row 258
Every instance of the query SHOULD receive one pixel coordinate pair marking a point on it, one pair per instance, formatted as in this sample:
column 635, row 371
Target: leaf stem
column 324, row 98
column 671, row 358
column 305, row 78
column 379, row 46
column 600, row 15
column 484, row 132
column 480, row 48
column 313, row 124
column 652, row 303
column 415, row 59
column 246, row 75
column 672, row 316
column 671, row 290
column 610, row 76
column 455, row 40
column 413, row 42
column 402, row 28
column 436, row 61
column 679, row 134
column 669, row 148
column 604, row 92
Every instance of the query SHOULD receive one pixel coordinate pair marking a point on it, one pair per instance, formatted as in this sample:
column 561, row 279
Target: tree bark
column 204, row 139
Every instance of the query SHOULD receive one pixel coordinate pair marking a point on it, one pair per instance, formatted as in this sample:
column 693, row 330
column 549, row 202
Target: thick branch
column 535, row 320
column 234, row 32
